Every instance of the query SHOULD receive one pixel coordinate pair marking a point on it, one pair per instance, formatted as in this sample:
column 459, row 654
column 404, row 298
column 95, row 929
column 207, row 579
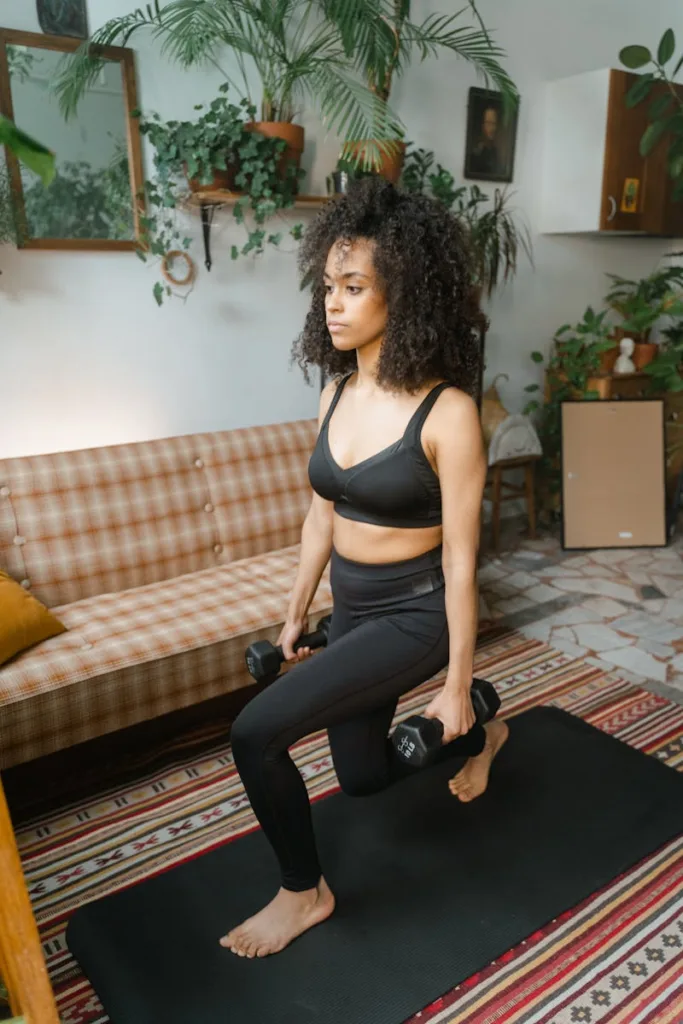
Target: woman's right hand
column 291, row 631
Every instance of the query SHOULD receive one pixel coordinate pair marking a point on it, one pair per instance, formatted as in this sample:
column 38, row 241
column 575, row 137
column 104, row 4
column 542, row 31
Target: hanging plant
column 191, row 154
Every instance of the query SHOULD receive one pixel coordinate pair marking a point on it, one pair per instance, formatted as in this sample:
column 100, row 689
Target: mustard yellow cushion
column 24, row 621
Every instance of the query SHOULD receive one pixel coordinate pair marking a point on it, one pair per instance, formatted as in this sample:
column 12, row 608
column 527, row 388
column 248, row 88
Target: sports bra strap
column 414, row 428
column 335, row 398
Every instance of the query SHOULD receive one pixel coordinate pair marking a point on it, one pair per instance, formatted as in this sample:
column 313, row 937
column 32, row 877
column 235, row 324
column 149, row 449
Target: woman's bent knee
column 249, row 733
column 359, row 784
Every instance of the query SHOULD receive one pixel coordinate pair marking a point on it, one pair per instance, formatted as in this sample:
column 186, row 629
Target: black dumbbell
column 264, row 659
column 417, row 740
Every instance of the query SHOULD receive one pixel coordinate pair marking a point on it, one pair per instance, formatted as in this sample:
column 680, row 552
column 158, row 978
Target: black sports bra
column 396, row 487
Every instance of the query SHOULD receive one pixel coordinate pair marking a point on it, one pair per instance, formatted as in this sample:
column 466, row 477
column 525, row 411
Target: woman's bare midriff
column 364, row 542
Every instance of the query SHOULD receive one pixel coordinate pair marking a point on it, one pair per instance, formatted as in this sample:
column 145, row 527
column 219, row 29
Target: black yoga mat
column 428, row 890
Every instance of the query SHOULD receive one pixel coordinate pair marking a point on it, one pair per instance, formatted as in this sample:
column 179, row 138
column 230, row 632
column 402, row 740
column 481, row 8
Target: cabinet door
column 636, row 194
column 624, row 167
column 664, row 215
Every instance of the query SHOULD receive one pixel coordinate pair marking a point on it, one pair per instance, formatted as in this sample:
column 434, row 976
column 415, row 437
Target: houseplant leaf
column 635, row 57
column 31, row 152
column 666, row 47
column 651, row 136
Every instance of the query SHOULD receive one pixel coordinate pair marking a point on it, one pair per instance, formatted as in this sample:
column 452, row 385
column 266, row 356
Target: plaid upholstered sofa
column 163, row 559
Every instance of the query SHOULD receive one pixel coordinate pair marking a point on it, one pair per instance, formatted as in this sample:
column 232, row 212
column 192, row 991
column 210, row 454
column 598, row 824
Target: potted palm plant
column 298, row 56
column 380, row 38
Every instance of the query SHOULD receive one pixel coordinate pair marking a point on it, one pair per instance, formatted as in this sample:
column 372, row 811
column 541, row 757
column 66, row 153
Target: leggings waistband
column 368, row 581
column 392, row 570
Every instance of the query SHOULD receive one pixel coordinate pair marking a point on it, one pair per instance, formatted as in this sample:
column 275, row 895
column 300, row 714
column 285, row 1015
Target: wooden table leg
column 495, row 511
column 531, row 498
column 21, row 955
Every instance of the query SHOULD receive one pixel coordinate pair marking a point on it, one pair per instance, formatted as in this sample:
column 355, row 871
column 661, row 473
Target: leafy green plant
column 665, row 368
column 8, row 223
column 29, row 151
column 644, row 302
column 666, row 374
column 575, row 358
column 666, row 109
column 298, row 57
column 82, row 202
column 216, row 140
column 495, row 238
column 20, row 61
column 380, row 38
column 32, row 154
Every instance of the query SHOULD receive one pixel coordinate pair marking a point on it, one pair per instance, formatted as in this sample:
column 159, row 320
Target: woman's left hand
column 454, row 708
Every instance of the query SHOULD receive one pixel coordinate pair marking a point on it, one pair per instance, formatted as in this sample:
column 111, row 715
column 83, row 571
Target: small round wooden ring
column 167, row 262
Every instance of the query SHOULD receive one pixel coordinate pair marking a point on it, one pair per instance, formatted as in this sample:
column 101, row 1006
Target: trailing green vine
column 217, row 140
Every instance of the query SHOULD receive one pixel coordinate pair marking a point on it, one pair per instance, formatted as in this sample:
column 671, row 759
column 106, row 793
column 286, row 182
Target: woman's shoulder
column 453, row 409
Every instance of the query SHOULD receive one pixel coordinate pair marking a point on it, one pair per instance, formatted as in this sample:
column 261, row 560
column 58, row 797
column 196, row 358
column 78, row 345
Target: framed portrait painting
column 491, row 137
column 63, row 18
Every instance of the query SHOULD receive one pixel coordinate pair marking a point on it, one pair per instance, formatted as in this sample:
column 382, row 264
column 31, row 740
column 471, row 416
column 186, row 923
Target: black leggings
column 389, row 633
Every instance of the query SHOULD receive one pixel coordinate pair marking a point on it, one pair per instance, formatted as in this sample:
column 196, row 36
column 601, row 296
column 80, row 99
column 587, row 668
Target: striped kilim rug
column 617, row 958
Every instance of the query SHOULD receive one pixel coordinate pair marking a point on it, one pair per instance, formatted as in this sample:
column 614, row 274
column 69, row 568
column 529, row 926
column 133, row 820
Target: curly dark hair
column 423, row 262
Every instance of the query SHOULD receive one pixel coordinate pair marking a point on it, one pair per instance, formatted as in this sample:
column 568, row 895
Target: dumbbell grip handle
column 478, row 709
column 315, row 639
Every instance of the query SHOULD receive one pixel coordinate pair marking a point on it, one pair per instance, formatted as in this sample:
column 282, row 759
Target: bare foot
column 285, row 917
column 472, row 780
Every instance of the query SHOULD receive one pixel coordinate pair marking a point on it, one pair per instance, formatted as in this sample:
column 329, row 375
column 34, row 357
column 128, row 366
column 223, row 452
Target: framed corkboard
column 613, row 474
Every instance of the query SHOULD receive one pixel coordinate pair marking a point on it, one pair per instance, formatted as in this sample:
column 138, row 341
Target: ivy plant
column 217, row 140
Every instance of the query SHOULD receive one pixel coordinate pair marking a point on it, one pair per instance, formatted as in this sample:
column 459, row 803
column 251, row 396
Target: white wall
column 87, row 358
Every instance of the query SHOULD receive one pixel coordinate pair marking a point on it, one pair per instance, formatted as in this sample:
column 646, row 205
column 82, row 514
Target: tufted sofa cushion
column 101, row 520
column 130, row 656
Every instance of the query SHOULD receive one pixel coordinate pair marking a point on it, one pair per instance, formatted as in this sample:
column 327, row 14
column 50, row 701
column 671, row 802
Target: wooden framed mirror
column 94, row 201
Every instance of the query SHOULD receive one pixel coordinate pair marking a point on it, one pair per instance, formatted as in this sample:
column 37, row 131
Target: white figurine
column 624, row 363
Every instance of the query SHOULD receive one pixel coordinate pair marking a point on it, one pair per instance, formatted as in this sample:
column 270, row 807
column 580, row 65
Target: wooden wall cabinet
column 594, row 179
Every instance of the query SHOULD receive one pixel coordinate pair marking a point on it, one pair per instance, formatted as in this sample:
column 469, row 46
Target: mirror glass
column 92, row 196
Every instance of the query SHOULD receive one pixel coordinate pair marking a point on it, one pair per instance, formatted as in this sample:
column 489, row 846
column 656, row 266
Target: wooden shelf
column 211, row 199
column 224, row 197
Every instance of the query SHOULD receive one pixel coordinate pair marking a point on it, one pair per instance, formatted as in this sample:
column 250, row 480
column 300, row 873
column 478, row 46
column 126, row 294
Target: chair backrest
column 22, row 966
column 101, row 520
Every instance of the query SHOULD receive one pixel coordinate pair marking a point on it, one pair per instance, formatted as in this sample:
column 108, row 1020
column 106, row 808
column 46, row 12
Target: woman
column 398, row 474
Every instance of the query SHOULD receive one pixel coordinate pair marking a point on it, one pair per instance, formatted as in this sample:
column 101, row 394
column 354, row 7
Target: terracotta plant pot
column 293, row 134
column 618, row 333
column 643, row 353
column 391, row 164
column 221, row 179
column 608, row 359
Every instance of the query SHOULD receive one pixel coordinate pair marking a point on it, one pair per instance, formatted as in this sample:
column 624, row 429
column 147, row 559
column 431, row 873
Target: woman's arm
column 457, row 444
column 316, row 547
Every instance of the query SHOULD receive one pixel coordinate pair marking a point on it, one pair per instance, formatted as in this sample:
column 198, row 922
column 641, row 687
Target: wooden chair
column 22, row 966
column 499, row 490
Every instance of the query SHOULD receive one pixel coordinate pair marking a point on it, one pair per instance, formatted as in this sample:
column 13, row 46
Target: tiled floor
column 621, row 610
